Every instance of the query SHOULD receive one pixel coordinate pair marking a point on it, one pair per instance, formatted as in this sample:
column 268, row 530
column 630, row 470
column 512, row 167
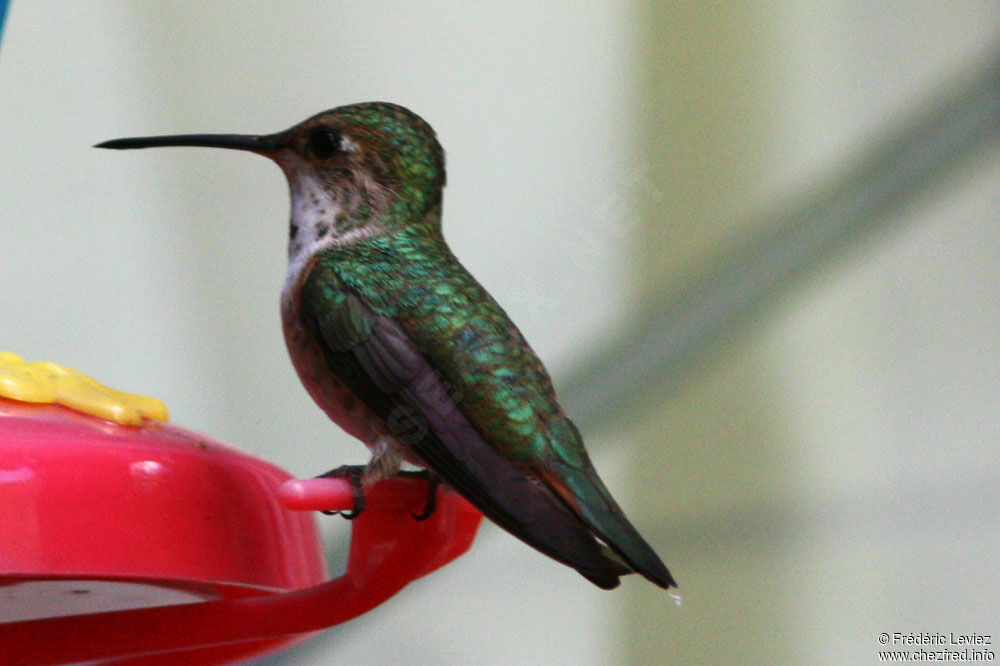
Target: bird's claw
column 352, row 474
column 433, row 481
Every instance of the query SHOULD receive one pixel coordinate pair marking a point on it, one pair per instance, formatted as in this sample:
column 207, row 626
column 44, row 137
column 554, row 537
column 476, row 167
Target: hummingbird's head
column 353, row 169
column 384, row 149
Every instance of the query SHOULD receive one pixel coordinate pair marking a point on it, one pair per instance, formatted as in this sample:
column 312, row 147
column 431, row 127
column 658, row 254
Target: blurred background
column 756, row 244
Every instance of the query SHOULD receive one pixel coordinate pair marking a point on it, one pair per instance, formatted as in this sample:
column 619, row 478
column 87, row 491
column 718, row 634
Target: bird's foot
column 353, row 474
column 433, row 481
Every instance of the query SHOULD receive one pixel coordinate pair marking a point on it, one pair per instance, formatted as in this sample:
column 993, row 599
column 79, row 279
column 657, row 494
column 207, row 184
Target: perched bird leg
column 433, row 482
column 385, row 460
column 383, row 465
column 353, row 474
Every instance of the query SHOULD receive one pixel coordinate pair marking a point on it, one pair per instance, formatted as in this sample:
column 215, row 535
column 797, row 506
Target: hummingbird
column 403, row 348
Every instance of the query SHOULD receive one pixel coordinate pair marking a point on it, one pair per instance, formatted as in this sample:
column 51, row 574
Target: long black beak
column 256, row 144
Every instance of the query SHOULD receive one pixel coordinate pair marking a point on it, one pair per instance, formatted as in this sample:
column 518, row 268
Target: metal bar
column 917, row 152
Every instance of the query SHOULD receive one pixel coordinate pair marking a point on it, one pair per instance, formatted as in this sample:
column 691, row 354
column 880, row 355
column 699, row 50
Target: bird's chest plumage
column 332, row 396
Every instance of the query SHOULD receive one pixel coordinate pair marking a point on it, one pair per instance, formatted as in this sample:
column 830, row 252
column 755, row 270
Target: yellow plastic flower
column 41, row 381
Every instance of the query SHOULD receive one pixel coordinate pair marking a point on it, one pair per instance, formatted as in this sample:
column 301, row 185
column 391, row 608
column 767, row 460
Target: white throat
column 314, row 223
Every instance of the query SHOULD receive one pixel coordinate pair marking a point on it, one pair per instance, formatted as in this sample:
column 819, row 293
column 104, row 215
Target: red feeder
column 121, row 542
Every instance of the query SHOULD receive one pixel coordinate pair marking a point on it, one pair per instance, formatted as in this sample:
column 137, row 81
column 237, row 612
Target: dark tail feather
column 517, row 502
column 541, row 521
column 590, row 499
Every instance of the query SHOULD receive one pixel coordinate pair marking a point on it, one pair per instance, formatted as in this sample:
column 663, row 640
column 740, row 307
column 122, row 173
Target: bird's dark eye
column 324, row 142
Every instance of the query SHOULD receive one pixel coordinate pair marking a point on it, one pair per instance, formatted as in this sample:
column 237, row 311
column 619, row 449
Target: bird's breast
column 322, row 384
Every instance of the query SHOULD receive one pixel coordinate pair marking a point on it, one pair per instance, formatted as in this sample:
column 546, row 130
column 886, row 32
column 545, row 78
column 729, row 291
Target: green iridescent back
column 492, row 373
